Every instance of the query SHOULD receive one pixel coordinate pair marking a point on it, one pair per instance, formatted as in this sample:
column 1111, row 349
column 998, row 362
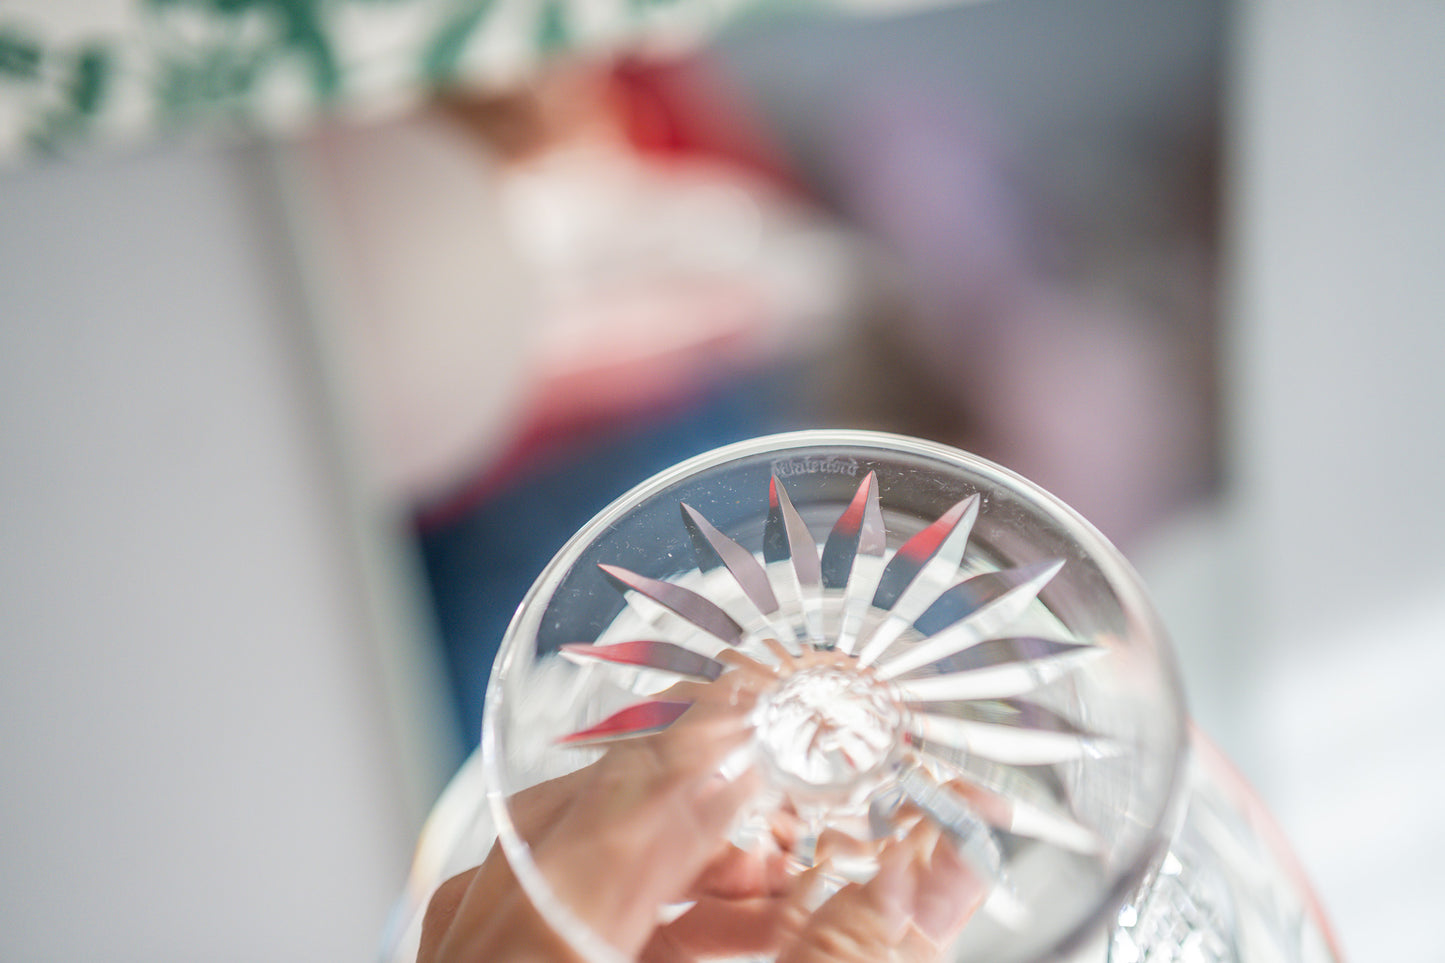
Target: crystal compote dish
column 921, row 637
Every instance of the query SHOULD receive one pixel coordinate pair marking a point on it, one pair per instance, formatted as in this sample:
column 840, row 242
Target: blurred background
column 326, row 323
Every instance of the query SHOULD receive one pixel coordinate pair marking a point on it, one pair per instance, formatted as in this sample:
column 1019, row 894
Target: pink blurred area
column 528, row 267
column 914, row 255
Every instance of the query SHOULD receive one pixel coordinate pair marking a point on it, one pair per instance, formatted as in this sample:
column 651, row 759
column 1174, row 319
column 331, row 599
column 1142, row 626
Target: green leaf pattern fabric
column 74, row 73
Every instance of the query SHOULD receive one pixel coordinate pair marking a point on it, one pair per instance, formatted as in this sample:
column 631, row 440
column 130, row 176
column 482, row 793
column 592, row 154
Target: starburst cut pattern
column 899, row 685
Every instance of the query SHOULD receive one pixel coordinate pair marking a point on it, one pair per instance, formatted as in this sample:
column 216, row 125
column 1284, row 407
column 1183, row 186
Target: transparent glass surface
column 942, row 637
column 939, row 637
column 1228, row 890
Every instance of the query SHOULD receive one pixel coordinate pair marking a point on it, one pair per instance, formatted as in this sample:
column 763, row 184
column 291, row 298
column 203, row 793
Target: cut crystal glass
column 936, row 639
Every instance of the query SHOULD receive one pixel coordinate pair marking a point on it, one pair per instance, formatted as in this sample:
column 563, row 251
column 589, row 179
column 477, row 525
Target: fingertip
column 892, row 888
column 949, row 893
column 722, row 796
column 861, row 922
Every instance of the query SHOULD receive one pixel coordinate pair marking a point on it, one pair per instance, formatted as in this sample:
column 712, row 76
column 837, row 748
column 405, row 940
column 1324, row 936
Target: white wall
column 199, row 743
column 1339, row 333
column 1335, row 590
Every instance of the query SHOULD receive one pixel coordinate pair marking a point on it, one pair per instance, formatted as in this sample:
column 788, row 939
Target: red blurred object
column 690, row 107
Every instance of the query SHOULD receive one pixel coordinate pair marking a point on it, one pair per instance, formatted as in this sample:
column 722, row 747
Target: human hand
column 646, row 826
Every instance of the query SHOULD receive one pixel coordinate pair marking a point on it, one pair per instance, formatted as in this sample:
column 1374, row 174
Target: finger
column 740, row 874
column 948, row 894
column 615, row 864
column 743, row 674
column 861, row 923
column 917, row 902
column 637, row 779
column 440, row 911
column 484, row 915
column 786, row 826
column 729, row 928
column 756, row 671
column 994, row 809
column 835, row 844
column 464, row 908
column 467, row 901
column 725, row 928
column 716, row 723
column 714, row 802
column 781, row 653
column 517, row 934
column 534, row 810
column 650, row 814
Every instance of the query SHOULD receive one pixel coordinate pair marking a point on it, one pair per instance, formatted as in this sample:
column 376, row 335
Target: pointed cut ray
column 973, row 611
column 1044, row 822
column 1051, row 826
column 711, row 544
column 1014, row 745
column 1053, row 650
column 956, row 816
column 971, row 837
column 922, row 568
column 858, row 531
column 943, row 541
column 700, row 611
column 971, row 595
column 708, row 557
column 642, row 719
column 852, row 556
column 1036, row 786
column 1021, row 712
column 786, row 538
column 1041, row 661
column 643, row 653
